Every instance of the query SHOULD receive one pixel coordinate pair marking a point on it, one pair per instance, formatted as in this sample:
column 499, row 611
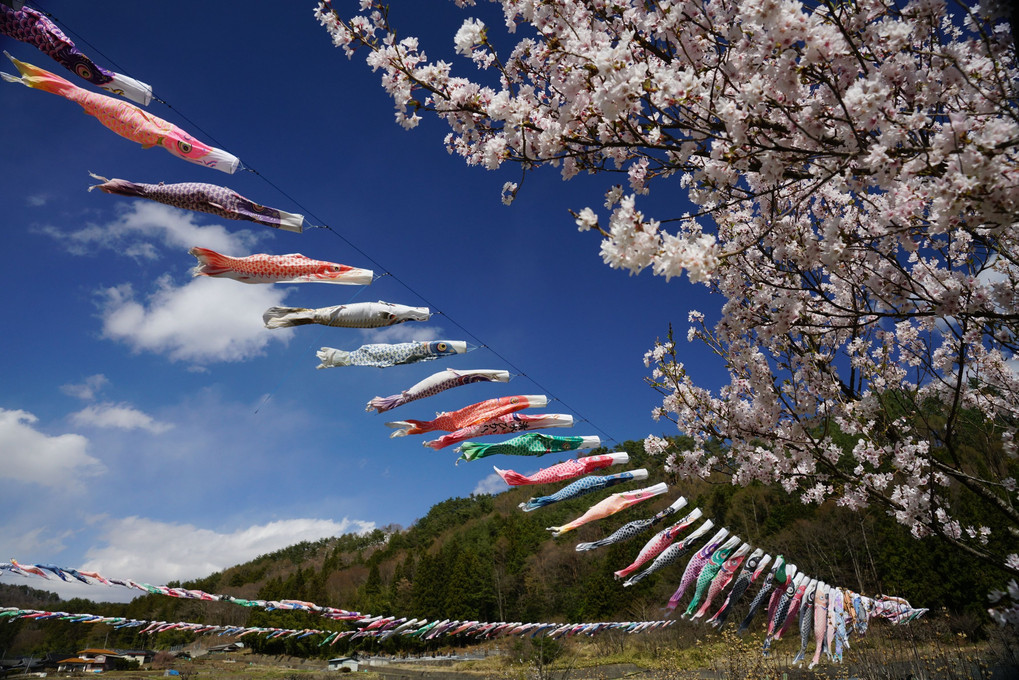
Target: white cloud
column 120, row 416
column 492, row 484
column 36, row 200
column 140, row 222
column 156, row 552
column 87, row 389
column 410, row 331
column 40, row 540
column 35, row 457
column 202, row 321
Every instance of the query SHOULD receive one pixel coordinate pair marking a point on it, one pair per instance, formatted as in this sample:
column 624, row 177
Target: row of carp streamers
column 711, row 569
column 136, row 124
column 378, row 628
column 829, row 613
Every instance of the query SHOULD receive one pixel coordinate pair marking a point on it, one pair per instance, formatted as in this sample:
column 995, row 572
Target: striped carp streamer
column 468, row 415
column 355, row 315
column 634, row 528
column 806, row 621
column 561, row 472
column 584, row 486
column 664, row 539
column 796, row 606
column 207, row 198
column 435, row 383
column 781, row 585
column 291, row 268
column 753, row 568
column 384, row 355
column 127, row 120
column 32, row 27
column 788, row 603
column 531, row 444
column 507, row 424
column 617, row 502
column 776, row 575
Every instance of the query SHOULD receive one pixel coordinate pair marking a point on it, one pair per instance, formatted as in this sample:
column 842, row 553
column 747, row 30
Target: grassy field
column 924, row 649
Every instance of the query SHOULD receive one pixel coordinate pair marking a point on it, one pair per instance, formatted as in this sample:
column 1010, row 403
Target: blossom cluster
column 851, row 176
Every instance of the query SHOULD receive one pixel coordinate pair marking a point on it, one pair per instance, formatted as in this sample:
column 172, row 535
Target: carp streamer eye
column 185, row 147
column 442, row 347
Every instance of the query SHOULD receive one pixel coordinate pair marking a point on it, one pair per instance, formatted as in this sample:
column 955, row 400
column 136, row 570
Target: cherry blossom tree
column 851, row 170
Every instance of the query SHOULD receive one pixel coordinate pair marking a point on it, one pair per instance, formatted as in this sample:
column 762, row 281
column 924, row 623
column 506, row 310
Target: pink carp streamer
column 507, row 424
column 561, row 472
column 663, row 539
column 469, row 415
column 127, row 120
column 291, row 268
column 617, row 502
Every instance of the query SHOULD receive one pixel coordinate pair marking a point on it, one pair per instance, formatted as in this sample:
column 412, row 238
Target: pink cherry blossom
column 851, row 182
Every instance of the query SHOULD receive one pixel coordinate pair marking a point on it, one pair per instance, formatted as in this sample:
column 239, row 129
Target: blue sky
column 150, row 427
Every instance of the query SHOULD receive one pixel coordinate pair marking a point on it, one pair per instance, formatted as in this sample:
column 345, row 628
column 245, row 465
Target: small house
column 343, row 663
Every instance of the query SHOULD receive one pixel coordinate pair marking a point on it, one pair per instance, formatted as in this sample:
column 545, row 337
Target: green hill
column 483, row 558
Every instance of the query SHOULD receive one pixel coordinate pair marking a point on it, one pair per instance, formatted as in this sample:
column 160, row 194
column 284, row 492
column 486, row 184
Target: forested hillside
column 483, row 558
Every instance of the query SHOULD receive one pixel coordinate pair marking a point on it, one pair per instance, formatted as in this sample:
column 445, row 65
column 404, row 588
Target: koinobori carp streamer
column 382, row 355
column 127, row 120
column 32, row 27
column 469, row 415
column 355, row 315
column 531, row 444
column 290, row 268
column 212, row 199
column 436, row 383
column 569, row 469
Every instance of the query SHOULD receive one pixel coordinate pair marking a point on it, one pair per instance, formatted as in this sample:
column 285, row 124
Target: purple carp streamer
column 435, row 383
column 722, row 579
column 207, row 198
column 384, row 355
column 582, row 487
column 127, row 120
column 355, row 315
column 561, row 472
column 290, row 268
column 531, row 444
column 507, row 424
column 634, row 528
column 617, row 502
column 694, row 566
column 708, row 573
column 32, row 27
column 710, row 560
